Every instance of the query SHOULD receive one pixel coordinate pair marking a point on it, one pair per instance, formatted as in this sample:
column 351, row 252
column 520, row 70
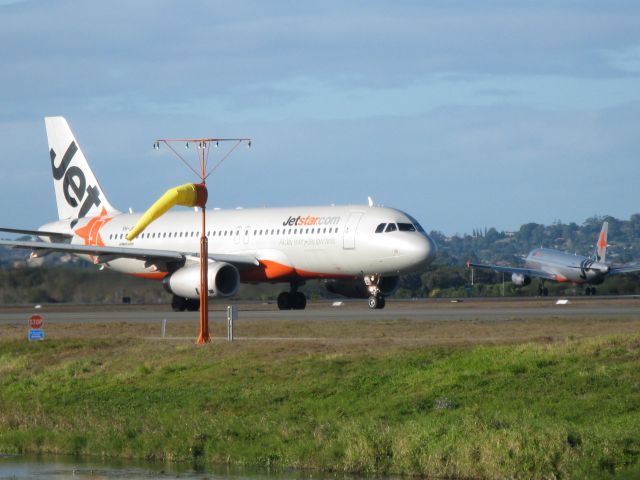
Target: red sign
column 36, row 321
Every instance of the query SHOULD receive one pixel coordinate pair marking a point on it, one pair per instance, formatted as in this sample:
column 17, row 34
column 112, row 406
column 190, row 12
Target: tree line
column 62, row 279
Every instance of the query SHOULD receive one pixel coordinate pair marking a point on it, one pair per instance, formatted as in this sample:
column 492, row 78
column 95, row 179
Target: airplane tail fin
column 78, row 193
column 601, row 247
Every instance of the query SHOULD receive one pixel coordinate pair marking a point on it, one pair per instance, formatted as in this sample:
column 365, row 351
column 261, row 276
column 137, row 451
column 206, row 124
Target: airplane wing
column 39, row 233
column 529, row 272
column 106, row 254
column 624, row 269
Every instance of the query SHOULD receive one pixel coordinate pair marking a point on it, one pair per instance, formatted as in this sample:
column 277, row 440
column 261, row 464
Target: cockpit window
column 416, row 224
column 380, row 228
column 406, row 227
column 391, row 228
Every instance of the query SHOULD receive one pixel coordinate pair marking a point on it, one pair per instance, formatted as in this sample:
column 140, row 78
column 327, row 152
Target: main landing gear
column 542, row 290
column 376, row 300
column 292, row 300
column 590, row 291
column 180, row 304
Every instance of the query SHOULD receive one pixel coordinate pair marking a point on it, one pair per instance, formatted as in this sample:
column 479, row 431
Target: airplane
column 358, row 250
column 558, row 266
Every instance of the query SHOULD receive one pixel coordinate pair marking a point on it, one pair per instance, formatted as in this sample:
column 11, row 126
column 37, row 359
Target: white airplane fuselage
column 290, row 243
column 567, row 267
column 363, row 249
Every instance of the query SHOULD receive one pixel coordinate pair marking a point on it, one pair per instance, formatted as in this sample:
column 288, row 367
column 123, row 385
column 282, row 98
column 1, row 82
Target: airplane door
column 349, row 236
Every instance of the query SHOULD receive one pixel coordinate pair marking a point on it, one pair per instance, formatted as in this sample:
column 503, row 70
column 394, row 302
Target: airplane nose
column 424, row 251
column 431, row 250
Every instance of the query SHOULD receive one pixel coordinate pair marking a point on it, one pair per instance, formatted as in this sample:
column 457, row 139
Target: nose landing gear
column 376, row 300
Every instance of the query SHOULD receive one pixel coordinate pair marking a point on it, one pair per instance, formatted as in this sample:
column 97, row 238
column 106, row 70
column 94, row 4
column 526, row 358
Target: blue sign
column 36, row 334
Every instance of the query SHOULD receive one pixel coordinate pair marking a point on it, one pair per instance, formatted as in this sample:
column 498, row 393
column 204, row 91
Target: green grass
column 561, row 410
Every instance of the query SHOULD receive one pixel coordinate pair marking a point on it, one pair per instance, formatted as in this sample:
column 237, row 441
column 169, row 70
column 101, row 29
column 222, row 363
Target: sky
column 464, row 114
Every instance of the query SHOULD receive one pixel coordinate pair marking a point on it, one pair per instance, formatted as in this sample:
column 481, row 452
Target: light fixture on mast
column 198, row 197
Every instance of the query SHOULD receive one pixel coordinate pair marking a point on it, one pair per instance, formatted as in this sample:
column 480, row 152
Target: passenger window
column 391, row 228
column 380, row 228
column 406, row 227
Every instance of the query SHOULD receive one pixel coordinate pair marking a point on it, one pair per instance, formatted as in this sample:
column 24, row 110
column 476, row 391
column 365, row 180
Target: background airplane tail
column 601, row 247
column 78, row 193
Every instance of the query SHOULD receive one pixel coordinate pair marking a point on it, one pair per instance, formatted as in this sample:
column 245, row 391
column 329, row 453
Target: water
column 60, row 467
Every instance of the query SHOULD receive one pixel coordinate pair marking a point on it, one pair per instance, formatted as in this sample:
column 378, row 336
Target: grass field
column 527, row 399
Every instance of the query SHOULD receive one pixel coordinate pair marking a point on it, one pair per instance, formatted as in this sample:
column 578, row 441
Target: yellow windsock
column 187, row 195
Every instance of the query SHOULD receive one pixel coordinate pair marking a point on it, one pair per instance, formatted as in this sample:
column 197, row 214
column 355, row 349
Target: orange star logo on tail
column 90, row 232
column 602, row 241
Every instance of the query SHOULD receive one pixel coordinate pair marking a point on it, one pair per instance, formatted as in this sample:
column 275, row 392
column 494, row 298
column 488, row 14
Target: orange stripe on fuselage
column 269, row 270
column 150, row 275
column 266, row 272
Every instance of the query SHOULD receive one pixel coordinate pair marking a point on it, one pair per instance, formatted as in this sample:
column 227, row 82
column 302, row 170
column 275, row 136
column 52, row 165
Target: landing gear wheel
column 193, row 304
column 373, row 302
column 593, row 290
column 545, row 292
column 284, row 302
column 590, row 291
column 376, row 302
column 178, row 304
column 298, row 301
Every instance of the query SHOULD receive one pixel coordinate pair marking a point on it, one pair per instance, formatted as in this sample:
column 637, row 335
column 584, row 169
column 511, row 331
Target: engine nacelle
column 520, row 279
column 358, row 289
column 223, row 281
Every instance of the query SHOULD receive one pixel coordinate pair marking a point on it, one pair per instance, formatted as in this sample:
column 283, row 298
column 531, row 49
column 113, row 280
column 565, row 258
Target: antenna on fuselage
column 370, row 200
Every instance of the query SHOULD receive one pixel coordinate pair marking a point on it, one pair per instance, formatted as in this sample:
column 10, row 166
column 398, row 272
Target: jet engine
column 223, row 281
column 520, row 279
column 358, row 289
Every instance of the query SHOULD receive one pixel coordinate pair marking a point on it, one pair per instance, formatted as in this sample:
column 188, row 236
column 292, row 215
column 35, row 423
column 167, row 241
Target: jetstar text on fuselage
column 311, row 220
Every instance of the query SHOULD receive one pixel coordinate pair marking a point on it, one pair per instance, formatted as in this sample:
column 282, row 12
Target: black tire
column 193, row 304
column 298, row 301
column 381, row 303
column 178, row 304
column 593, row 290
column 545, row 292
column 284, row 302
column 374, row 302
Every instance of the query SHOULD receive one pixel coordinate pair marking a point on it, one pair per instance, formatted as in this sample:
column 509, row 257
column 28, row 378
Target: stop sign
column 36, row 321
